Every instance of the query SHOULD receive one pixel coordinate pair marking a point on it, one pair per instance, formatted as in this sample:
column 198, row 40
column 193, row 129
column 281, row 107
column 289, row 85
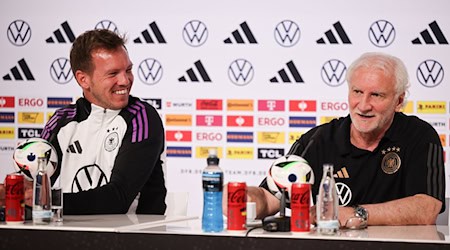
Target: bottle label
column 212, row 181
column 42, row 214
column 328, row 224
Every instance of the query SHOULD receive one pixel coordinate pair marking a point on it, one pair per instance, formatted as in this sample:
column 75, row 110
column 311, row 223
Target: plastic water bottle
column 212, row 178
column 42, row 199
column 327, row 203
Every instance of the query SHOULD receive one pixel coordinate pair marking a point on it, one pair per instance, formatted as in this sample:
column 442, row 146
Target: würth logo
column 20, row 72
column 331, row 37
column 19, row 33
column 430, row 73
column 195, row 33
column 239, row 37
column 153, row 35
column 150, row 71
column 108, row 25
column 333, row 72
column 287, row 33
column 428, row 38
column 59, row 34
column 61, row 71
column 196, row 74
column 283, row 74
column 382, row 33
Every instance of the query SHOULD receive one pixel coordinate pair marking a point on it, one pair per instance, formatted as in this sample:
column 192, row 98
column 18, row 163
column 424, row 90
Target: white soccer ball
column 26, row 155
column 287, row 170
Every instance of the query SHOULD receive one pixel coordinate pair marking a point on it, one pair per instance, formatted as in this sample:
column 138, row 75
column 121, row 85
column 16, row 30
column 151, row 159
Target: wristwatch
column 362, row 214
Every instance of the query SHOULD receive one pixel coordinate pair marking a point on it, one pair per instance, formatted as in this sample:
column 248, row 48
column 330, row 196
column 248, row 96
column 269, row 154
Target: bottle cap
column 212, row 157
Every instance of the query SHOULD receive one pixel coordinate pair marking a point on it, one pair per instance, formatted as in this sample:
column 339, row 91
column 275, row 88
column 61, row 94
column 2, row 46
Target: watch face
column 361, row 212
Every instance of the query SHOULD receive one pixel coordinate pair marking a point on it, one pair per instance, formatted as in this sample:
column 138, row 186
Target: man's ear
column 82, row 79
column 399, row 106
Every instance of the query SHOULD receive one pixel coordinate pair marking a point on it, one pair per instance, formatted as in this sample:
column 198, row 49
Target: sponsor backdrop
column 248, row 77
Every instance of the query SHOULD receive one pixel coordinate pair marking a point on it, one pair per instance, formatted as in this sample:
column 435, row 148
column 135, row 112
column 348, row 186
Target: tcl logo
column 29, row 132
column 208, row 136
column 31, row 102
column 334, row 106
column 270, row 153
column 271, row 121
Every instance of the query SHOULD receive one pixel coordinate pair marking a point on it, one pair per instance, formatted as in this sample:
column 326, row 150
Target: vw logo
column 195, row 33
column 19, row 33
column 344, row 193
column 287, row 33
column 88, row 177
column 106, row 24
column 382, row 33
column 60, row 71
column 333, row 72
column 430, row 73
column 241, row 72
column 150, row 71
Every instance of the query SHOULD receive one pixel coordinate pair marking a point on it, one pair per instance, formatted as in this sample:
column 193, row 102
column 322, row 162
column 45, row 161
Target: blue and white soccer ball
column 287, row 170
column 26, row 157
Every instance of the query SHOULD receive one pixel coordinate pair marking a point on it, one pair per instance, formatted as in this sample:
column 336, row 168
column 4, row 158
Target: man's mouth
column 121, row 92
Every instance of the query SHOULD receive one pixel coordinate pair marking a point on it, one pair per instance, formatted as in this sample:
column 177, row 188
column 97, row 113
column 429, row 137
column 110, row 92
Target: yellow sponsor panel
column 431, row 107
column 327, row 119
column 30, row 117
column 271, row 137
column 443, row 138
column 49, row 115
column 178, row 120
column 202, row 152
column 293, row 136
column 240, row 105
column 239, row 153
column 7, row 133
column 408, row 108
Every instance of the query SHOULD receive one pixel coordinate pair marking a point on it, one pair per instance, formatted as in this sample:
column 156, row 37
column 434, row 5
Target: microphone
column 278, row 223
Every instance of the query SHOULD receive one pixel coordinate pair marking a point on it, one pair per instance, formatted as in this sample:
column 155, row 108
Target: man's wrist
column 359, row 219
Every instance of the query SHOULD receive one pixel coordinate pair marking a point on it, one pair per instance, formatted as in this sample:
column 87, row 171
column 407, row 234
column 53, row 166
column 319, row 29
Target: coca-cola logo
column 238, row 196
column 16, row 189
column 300, row 198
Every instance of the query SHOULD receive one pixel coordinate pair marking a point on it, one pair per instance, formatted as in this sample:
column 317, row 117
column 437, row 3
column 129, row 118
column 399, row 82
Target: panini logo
column 7, row 132
column 193, row 76
column 6, row 117
column 240, row 121
column 209, row 120
column 210, row 104
column 432, row 107
column 58, row 102
column 428, row 38
column 245, row 31
column 16, row 73
column 240, row 105
column 245, row 137
column 25, row 133
column 185, row 152
column 178, row 120
column 7, row 101
column 270, row 153
column 303, row 105
column 179, row 135
column 59, row 35
column 270, row 105
column 203, row 152
column 330, row 36
column 327, row 119
column 284, row 77
column 30, row 117
column 293, row 136
column 271, row 137
column 149, row 36
column 408, row 108
column 240, row 153
column 302, row 122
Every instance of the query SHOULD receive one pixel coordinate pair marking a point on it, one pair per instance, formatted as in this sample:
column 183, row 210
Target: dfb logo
column 25, row 133
column 209, row 136
column 31, row 102
column 270, row 153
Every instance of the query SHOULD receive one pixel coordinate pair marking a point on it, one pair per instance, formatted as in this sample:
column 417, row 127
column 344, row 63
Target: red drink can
column 14, row 199
column 300, row 204
column 237, row 206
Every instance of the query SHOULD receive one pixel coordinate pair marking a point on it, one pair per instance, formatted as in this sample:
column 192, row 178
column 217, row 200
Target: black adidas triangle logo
column 59, row 35
column 75, row 148
column 427, row 36
column 247, row 33
column 284, row 76
column 193, row 77
column 151, row 36
column 19, row 72
column 331, row 38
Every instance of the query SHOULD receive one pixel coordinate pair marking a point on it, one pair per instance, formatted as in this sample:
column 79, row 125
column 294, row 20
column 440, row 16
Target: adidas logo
column 19, row 72
column 193, row 76
column 330, row 36
column 148, row 34
column 239, row 38
column 283, row 74
column 58, row 34
column 75, row 148
column 428, row 39
column 342, row 173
